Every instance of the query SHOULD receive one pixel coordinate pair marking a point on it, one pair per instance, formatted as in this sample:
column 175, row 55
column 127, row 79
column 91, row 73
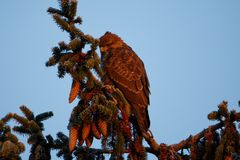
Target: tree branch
column 155, row 148
column 188, row 142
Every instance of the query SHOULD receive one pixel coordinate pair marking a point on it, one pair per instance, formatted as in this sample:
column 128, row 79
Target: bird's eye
column 103, row 49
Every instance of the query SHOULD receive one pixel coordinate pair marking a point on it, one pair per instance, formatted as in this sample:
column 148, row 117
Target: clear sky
column 191, row 50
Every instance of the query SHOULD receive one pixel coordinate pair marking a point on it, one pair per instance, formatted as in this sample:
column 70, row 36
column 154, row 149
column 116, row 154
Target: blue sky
column 191, row 51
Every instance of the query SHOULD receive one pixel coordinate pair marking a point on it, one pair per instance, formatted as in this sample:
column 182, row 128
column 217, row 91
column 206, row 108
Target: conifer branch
column 105, row 107
column 103, row 112
column 193, row 139
column 54, row 10
column 72, row 9
column 27, row 112
column 62, row 23
column 10, row 146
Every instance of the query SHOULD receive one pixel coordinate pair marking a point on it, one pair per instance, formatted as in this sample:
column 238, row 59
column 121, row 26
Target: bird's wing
column 127, row 71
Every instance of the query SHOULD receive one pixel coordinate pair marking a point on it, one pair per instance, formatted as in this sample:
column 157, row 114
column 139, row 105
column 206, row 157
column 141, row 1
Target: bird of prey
column 125, row 70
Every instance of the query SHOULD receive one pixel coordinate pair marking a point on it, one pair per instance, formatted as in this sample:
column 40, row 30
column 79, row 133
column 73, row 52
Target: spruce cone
column 95, row 131
column 86, row 130
column 80, row 141
column 73, row 135
column 102, row 125
column 74, row 90
column 89, row 140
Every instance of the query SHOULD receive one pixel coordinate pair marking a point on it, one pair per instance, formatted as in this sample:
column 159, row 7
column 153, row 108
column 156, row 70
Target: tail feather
column 142, row 118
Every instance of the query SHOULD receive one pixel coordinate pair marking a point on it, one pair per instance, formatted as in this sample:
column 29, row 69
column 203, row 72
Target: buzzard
column 125, row 70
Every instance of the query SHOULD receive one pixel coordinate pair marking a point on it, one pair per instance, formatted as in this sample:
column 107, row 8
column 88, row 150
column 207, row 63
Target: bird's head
column 109, row 41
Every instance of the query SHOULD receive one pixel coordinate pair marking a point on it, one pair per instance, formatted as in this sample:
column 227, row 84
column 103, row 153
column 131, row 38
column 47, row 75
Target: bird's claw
column 150, row 133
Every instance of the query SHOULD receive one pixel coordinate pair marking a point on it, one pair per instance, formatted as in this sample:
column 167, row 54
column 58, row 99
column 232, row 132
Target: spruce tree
column 98, row 113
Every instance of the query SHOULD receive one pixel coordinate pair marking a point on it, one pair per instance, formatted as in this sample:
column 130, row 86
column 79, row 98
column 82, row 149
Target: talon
column 150, row 133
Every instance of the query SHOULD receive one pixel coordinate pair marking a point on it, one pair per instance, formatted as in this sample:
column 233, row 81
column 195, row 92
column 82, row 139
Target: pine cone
column 89, row 140
column 80, row 140
column 74, row 90
column 73, row 135
column 102, row 125
column 95, row 131
column 86, row 130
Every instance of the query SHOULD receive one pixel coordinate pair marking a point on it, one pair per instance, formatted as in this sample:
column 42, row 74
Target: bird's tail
column 142, row 118
column 141, row 123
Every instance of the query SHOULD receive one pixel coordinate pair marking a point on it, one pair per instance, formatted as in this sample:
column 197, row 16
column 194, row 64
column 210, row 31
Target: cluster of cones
column 86, row 133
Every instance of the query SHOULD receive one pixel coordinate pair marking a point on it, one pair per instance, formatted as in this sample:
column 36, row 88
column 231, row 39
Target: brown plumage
column 126, row 71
